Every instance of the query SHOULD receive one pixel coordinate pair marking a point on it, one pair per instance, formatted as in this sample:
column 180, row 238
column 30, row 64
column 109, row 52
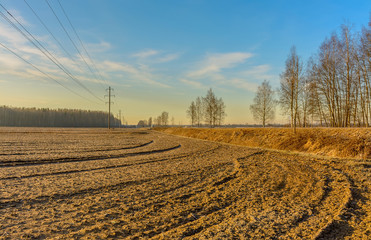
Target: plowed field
column 134, row 184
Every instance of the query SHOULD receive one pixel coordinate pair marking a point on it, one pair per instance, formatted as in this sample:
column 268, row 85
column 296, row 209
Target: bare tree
column 336, row 88
column 264, row 104
column 291, row 80
column 220, row 111
column 347, row 70
column 315, row 109
column 210, row 108
column 150, row 122
column 199, row 113
column 172, row 121
column 363, row 61
column 158, row 121
column 164, row 118
column 191, row 113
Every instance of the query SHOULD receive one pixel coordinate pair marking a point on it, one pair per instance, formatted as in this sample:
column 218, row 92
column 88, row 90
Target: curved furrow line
column 338, row 227
column 170, row 158
column 192, row 215
column 77, row 150
column 165, row 195
column 86, row 170
column 124, row 148
column 321, row 207
column 285, row 196
column 93, row 169
column 194, row 221
column 151, row 160
column 335, row 194
column 81, row 159
column 210, row 214
column 236, row 169
column 155, row 201
column 93, row 191
column 300, row 218
column 199, row 218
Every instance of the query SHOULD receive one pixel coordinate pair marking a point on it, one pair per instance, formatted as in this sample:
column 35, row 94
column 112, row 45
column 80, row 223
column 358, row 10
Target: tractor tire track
column 81, row 159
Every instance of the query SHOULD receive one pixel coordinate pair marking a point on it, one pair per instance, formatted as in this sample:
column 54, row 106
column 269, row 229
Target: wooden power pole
column 109, row 89
column 120, row 118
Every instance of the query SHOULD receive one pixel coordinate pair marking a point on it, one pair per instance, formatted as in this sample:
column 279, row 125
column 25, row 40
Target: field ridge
column 332, row 142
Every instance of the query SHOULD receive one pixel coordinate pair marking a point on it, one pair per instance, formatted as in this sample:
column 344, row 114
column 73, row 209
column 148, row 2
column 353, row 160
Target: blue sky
column 161, row 55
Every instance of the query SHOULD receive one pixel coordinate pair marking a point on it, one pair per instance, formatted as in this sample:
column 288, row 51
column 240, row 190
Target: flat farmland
column 135, row 184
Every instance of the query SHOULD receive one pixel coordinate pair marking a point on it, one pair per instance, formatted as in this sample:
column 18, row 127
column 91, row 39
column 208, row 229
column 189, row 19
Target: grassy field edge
column 332, row 142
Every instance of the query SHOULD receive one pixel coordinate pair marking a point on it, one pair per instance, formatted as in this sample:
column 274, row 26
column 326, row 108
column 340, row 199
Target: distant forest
column 45, row 117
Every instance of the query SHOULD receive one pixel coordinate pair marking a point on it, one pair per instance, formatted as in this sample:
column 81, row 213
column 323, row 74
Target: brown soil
column 134, row 184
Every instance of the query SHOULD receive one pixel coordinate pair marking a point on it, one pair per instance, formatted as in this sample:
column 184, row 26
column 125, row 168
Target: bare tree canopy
column 165, row 118
column 150, row 122
column 335, row 89
column 339, row 76
column 199, row 111
column 264, row 104
column 291, row 82
column 209, row 108
column 191, row 113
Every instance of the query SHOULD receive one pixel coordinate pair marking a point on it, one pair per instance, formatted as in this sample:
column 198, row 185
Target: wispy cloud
column 9, row 61
column 259, row 72
column 98, row 47
column 10, row 35
column 115, row 66
column 155, row 56
column 145, row 53
column 244, row 84
column 194, row 84
column 214, row 63
column 141, row 72
column 168, row 57
column 214, row 70
column 16, row 42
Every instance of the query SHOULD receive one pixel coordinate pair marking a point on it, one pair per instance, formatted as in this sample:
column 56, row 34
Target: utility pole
column 109, row 89
column 120, row 118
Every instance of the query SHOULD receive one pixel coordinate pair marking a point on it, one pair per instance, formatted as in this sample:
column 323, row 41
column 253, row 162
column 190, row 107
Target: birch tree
column 264, row 104
column 192, row 113
column 220, row 111
column 165, row 118
column 291, row 80
column 209, row 103
column 199, row 113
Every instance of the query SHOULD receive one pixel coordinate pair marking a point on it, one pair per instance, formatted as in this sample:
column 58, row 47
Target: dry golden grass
column 333, row 142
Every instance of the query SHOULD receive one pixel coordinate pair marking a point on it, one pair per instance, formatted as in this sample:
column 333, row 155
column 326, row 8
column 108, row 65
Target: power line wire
column 78, row 37
column 69, row 36
column 47, row 75
column 45, row 51
column 47, row 29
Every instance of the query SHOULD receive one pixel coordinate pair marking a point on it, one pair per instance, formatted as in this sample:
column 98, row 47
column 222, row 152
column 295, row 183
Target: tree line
column 161, row 120
column 45, row 117
column 209, row 110
column 332, row 89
